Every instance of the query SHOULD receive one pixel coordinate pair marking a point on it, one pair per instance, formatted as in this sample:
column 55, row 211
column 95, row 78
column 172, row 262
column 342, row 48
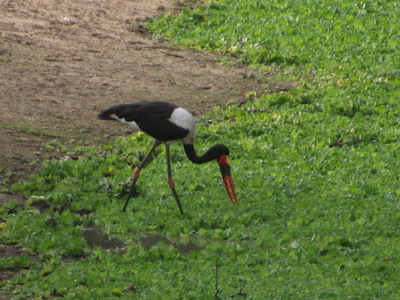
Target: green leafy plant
column 18, row 262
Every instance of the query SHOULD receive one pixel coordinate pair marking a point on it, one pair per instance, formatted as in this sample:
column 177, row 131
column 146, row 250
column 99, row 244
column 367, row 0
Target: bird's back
column 161, row 120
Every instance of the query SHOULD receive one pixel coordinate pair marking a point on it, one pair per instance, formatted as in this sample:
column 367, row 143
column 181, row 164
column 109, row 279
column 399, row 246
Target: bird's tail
column 113, row 113
column 106, row 115
column 122, row 112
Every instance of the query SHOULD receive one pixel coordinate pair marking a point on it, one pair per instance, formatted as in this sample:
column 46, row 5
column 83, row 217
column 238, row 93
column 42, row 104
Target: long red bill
column 227, row 178
column 230, row 189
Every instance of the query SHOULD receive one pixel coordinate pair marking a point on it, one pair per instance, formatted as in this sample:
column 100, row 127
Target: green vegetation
column 23, row 128
column 316, row 171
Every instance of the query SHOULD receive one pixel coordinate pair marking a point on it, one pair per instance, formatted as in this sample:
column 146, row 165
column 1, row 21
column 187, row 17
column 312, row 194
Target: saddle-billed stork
column 167, row 124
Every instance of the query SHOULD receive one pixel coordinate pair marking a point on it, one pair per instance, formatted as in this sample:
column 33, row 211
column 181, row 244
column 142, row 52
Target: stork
column 167, row 123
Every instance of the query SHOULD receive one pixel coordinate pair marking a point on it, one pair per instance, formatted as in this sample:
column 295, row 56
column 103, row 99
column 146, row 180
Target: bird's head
column 225, row 167
column 221, row 154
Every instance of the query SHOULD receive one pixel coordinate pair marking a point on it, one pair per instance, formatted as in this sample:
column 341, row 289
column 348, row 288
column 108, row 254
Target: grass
column 316, row 171
column 22, row 128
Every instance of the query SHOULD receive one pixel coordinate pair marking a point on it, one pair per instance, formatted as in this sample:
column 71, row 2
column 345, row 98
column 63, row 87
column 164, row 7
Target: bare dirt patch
column 61, row 62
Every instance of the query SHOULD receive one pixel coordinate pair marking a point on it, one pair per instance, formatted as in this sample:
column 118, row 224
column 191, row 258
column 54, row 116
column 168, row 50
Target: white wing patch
column 184, row 119
column 131, row 124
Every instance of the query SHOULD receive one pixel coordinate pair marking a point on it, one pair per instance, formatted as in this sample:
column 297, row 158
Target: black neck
column 213, row 153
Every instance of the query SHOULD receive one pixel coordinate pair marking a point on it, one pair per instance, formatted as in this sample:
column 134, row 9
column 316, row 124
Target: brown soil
column 63, row 61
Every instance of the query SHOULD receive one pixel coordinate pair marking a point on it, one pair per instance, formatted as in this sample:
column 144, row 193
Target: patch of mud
column 184, row 247
column 94, row 237
column 10, row 250
column 8, row 196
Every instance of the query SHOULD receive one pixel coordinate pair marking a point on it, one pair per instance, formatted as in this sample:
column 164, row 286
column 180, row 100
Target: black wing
column 151, row 117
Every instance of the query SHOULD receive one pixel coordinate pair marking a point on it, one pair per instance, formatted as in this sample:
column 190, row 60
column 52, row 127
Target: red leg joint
column 137, row 173
column 171, row 183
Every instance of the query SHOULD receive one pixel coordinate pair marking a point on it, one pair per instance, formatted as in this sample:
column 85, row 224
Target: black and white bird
column 167, row 123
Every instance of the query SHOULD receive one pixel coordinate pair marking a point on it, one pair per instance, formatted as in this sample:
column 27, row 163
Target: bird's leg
column 137, row 173
column 171, row 182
